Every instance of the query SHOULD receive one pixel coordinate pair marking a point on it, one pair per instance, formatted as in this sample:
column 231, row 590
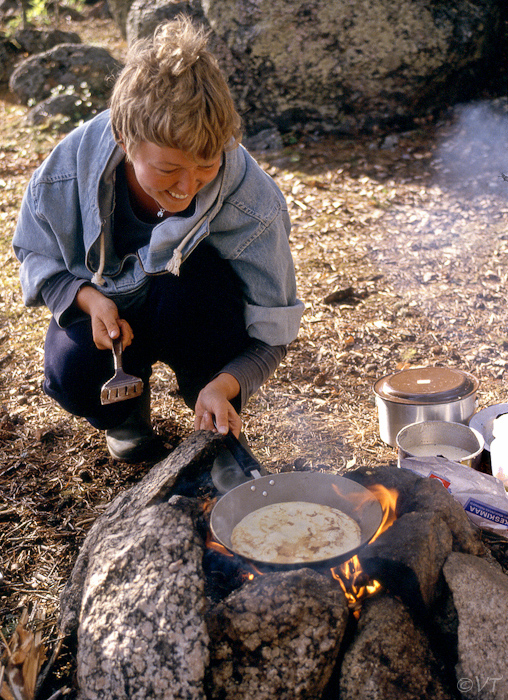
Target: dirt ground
column 400, row 244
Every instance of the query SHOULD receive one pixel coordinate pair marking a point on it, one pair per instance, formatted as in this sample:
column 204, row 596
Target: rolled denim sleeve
column 274, row 324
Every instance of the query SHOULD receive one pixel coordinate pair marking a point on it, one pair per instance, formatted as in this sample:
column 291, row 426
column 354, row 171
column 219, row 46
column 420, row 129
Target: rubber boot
column 134, row 440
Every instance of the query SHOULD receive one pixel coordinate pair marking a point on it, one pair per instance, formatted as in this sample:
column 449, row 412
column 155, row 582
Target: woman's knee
column 74, row 369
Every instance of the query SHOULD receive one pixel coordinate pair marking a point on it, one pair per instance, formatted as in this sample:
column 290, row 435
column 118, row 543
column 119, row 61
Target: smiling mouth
column 178, row 196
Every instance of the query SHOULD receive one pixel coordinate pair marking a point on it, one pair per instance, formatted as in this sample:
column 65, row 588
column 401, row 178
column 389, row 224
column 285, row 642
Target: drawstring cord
column 98, row 279
column 173, row 265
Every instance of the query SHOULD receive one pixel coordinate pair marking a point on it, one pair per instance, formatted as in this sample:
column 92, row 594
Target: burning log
column 277, row 637
column 390, row 658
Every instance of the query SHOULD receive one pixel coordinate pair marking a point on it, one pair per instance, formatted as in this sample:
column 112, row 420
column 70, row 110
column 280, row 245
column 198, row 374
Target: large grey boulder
column 480, row 597
column 67, row 66
column 343, row 64
column 139, row 637
column 390, row 658
column 34, row 40
column 136, row 593
column 119, row 10
column 421, row 495
column 193, row 457
column 277, row 637
column 143, row 16
column 408, row 558
column 349, row 64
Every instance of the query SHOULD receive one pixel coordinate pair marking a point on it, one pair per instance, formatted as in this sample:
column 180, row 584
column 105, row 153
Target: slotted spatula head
column 121, row 386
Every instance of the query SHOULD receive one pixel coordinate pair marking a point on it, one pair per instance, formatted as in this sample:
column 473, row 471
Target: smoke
column 472, row 152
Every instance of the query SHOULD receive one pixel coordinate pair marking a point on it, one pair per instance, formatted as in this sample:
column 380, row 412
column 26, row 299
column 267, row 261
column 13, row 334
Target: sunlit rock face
column 347, row 65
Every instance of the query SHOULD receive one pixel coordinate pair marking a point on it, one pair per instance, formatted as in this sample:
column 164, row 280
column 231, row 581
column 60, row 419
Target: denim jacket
column 65, row 226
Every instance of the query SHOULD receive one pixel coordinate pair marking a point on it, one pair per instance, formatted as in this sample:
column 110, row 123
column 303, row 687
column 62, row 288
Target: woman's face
column 169, row 176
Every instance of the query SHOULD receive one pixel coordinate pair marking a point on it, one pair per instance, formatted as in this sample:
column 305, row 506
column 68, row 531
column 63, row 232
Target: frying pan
column 313, row 487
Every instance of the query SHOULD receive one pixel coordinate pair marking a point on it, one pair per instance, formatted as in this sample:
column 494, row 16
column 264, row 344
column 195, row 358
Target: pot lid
column 425, row 385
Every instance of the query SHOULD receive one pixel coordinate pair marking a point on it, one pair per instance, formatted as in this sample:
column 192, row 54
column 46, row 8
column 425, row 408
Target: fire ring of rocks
column 156, row 614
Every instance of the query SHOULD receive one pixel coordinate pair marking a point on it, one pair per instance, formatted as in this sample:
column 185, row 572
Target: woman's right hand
column 106, row 321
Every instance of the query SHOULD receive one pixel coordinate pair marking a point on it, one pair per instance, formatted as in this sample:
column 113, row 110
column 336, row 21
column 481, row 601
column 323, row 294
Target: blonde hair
column 172, row 92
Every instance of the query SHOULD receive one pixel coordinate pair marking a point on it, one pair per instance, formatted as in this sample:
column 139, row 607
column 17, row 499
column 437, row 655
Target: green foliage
column 38, row 12
column 36, row 8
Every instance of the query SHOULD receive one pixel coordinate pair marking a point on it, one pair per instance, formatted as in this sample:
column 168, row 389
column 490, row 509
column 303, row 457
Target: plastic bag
column 482, row 496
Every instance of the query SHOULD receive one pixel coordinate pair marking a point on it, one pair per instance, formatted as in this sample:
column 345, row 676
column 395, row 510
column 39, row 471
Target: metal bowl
column 454, row 441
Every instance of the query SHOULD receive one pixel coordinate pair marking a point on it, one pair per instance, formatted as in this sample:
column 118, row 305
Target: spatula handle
column 117, row 352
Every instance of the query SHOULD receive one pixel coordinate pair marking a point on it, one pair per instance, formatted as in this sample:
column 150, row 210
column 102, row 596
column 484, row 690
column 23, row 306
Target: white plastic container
column 499, row 449
column 483, row 421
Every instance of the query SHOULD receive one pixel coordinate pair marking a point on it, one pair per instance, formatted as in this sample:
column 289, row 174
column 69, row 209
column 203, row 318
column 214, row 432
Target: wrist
column 85, row 297
column 227, row 384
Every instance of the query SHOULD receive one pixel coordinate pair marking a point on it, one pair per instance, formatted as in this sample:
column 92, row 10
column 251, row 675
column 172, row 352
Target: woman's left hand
column 213, row 410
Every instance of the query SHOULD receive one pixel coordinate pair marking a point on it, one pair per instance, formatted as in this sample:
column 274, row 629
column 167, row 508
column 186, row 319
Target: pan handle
column 249, row 464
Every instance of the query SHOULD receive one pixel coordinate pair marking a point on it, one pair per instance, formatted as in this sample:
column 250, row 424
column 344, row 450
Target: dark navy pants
column 194, row 323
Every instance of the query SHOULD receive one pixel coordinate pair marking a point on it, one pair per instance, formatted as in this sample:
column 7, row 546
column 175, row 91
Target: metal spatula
column 122, row 385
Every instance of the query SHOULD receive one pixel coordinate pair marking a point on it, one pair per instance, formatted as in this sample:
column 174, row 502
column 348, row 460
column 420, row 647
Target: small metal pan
column 313, row 487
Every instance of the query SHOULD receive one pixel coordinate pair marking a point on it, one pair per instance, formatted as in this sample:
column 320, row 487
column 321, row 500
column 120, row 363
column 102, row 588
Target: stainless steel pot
column 423, row 394
column 314, row 487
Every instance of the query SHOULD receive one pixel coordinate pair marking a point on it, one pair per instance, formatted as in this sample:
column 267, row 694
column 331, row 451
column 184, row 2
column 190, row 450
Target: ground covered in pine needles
column 400, row 244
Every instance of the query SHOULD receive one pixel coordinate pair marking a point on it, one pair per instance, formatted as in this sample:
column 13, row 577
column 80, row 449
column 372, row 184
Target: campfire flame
column 255, row 572
column 388, row 499
column 355, row 585
column 212, row 543
column 350, row 575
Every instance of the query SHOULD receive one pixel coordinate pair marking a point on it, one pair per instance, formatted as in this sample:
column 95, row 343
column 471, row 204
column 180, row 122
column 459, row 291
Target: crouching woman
column 152, row 224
